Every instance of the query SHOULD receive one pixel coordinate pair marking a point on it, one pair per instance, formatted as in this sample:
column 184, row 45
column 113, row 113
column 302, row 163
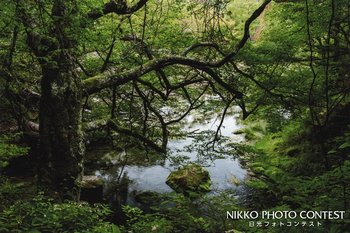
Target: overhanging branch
column 118, row 7
column 110, row 78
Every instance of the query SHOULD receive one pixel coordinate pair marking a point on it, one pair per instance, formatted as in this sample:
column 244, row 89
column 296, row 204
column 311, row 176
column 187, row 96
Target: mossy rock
column 191, row 179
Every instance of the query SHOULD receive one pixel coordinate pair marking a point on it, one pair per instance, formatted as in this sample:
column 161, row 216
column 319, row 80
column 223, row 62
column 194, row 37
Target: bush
column 140, row 222
column 43, row 215
column 9, row 150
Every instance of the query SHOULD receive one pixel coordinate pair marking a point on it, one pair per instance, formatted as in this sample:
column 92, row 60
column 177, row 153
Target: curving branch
column 246, row 34
column 109, row 78
column 119, row 7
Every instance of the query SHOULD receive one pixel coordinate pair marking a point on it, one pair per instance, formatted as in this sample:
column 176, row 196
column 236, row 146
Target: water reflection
column 225, row 171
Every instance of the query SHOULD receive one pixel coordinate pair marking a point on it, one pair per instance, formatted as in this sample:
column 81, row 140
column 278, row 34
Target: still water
column 225, row 171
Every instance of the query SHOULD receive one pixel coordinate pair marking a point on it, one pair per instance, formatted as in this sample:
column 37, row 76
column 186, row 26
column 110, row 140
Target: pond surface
column 225, row 171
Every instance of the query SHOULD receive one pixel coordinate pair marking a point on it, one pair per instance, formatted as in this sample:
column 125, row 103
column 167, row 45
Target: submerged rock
column 190, row 179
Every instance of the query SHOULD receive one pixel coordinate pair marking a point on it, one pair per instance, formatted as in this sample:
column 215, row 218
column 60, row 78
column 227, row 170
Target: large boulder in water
column 191, row 179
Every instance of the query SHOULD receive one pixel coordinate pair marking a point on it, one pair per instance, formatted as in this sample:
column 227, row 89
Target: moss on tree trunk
column 60, row 165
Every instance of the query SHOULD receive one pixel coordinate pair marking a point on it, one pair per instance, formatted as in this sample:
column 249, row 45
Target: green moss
column 189, row 179
column 93, row 82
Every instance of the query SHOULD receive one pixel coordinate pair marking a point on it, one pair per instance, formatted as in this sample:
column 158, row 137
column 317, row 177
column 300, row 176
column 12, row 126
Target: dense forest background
column 77, row 74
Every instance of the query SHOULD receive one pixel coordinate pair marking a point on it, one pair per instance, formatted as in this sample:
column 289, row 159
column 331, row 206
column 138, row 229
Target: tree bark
column 60, row 165
column 62, row 150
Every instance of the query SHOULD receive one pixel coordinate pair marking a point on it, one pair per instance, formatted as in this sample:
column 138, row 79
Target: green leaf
column 332, row 152
column 115, row 229
column 344, row 145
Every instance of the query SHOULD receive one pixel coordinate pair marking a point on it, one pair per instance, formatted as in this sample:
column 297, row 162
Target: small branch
column 190, row 108
column 113, row 125
column 216, row 136
column 201, row 44
column 148, row 105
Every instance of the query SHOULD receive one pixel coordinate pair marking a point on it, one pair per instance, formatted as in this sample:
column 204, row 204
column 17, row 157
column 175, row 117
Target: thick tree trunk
column 60, row 165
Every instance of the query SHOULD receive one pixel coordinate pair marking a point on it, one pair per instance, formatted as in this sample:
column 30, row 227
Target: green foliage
column 12, row 190
column 173, row 215
column 179, row 214
column 184, row 214
column 289, row 170
column 10, row 150
column 139, row 222
column 43, row 215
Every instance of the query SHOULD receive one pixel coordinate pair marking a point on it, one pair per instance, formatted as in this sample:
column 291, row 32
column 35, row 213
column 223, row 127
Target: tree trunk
column 60, row 162
column 60, row 165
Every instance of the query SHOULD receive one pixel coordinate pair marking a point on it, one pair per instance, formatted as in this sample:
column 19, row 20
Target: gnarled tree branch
column 118, row 7
column 111, row 78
